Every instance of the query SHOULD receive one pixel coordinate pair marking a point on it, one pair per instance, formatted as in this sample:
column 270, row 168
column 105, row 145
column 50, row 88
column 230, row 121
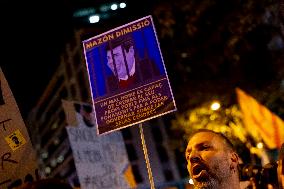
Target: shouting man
column 211, row 161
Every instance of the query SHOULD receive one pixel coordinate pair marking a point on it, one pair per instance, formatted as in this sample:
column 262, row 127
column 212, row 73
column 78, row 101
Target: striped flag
column 260, row 121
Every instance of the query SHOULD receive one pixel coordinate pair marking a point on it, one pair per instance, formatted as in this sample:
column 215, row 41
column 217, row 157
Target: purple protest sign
column 127, row 75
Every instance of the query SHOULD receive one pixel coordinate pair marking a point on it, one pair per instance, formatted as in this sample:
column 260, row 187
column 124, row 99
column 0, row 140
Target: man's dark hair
column 222, row 136
column 125, row 41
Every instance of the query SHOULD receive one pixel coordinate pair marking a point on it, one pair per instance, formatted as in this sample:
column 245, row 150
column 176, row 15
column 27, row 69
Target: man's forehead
column 204, row 137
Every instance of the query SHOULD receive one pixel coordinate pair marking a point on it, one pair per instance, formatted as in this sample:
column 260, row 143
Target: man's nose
column 194, row 157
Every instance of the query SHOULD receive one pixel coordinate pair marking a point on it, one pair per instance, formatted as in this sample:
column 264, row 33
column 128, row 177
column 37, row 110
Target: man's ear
column 234, row 161
column 234, row 157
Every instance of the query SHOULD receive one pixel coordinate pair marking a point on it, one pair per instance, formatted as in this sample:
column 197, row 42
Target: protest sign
column 127, row 76
column 101, row 161
column 15, row 143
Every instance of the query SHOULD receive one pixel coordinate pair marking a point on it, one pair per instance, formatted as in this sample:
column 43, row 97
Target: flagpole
column 146, row 157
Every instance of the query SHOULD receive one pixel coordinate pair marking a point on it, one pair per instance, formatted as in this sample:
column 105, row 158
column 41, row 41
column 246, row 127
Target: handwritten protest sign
column 101, row 162
column 127, row 76
column 15, row 143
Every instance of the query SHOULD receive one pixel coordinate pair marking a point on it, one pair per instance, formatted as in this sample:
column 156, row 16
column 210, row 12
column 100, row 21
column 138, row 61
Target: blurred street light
column 94, row 19
column 122, row 5
column 215, row 106
column 113, row 7
column 47, row 170
column 259, row 145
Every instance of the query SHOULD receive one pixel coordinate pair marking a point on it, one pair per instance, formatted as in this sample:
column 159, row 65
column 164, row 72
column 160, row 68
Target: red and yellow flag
column 260, row 121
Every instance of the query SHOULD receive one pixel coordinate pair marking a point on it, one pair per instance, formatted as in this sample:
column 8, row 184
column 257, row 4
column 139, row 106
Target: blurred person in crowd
column 212, row 161
column 127, row 70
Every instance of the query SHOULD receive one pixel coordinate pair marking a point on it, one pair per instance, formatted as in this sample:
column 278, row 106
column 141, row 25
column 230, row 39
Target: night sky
column 34, row 35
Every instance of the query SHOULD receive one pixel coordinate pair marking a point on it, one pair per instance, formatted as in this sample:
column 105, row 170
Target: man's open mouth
column 199, row 171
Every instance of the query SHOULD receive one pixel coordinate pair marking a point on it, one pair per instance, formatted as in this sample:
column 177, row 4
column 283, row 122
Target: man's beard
column 216, row 178
column 208, row 183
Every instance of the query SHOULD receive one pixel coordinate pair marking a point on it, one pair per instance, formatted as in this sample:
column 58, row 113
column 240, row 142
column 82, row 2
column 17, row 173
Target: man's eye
column 187, row 157
column 205, row 147
column 187, row 154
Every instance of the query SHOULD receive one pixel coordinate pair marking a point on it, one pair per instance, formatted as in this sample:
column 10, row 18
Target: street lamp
column 215, row 106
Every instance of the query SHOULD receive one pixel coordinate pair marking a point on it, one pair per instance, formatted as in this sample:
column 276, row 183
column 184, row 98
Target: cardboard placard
column 14, row 141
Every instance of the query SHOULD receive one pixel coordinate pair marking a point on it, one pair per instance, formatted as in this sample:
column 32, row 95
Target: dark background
column 196, row 39
column 33, row 36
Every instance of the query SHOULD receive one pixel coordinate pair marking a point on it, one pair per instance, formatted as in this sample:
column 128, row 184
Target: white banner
column 101, row 161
